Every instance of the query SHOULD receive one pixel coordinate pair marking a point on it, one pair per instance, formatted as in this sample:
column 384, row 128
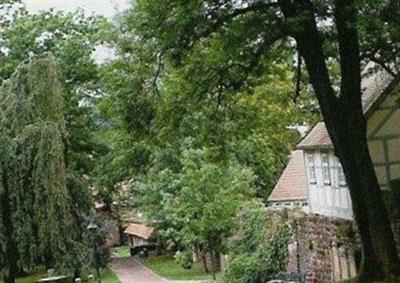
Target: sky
column 106, row 8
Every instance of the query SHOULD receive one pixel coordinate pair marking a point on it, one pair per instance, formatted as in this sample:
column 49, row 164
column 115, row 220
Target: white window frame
column 326, row 168
column 341, row 176
column 312, row 168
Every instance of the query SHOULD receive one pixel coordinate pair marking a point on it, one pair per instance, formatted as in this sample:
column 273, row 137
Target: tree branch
column 382, row 64
column 301, row 22
column 158, row 72
column 221, row 20
column 259, row 52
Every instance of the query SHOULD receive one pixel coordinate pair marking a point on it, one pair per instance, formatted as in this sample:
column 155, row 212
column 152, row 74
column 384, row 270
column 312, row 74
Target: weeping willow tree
column 39, row 222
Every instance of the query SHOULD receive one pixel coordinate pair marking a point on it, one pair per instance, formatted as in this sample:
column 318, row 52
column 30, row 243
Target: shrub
column 259, row 245
column 245, row 268
column 184, row 259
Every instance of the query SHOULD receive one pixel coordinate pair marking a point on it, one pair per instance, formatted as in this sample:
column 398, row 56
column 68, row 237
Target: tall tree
column 197, row 204
column 36, row 209
column 149, row 106
column 71, row 38
column 326, row 34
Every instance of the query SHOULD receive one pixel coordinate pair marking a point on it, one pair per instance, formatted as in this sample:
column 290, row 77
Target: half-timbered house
column 313, row 178
column 314, row 182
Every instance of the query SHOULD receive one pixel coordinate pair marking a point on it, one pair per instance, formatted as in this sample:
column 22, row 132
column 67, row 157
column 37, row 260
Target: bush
column 245, row 268
column 258, row 246
column 184, row 259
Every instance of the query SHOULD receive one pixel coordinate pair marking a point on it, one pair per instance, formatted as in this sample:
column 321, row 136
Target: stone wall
column 327, row 249
column 111, row 229
column 323, row 248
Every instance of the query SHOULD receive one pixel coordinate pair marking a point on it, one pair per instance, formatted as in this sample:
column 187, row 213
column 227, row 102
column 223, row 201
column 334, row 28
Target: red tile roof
column 373, row 87
column 139, row 230
column 318, row 137
column 292, row 184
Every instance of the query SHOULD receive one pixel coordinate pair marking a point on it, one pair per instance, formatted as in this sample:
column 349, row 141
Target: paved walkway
column 130, row 270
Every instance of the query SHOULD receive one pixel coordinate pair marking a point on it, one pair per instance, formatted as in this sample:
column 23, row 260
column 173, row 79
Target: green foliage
column 379, row 35
column 38, row 273
column 242, row 35
column 198, row 203
column 108, row 276
column 245, row 268
column 41, row 219
column 61, row 153
column 218, row 49
column 122, row 251
column 258, row 246
column 192, row 141
column 71, row 38
column 151, row 106
column 184, row 259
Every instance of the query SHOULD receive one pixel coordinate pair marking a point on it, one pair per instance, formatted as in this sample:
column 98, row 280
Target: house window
column 311, row 168
column 326, row 173
column 341, row 177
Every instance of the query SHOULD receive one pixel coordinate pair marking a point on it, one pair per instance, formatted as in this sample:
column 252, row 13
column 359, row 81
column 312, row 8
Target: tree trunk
column 204, row 259
column 380, row 259
column 347, row 127
column 215, row 263
column 379, row 254
column 11, row 253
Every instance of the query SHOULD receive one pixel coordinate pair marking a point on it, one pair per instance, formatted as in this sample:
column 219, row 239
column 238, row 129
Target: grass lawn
column 122, row 251
column 107, row 276
column 166, row 267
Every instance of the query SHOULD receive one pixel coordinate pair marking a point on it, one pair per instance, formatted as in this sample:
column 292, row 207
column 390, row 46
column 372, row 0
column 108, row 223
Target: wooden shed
column 139, row 234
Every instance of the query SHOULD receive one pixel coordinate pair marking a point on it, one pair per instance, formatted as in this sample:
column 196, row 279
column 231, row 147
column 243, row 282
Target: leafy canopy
column 40, row 218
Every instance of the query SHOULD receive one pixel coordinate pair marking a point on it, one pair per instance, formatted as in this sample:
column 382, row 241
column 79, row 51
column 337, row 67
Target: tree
column 8, row 244
column 150, row 114
column 326, row 34
column 36, row 209
column 197, row 204
column 71, row 38
column 141, row 119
